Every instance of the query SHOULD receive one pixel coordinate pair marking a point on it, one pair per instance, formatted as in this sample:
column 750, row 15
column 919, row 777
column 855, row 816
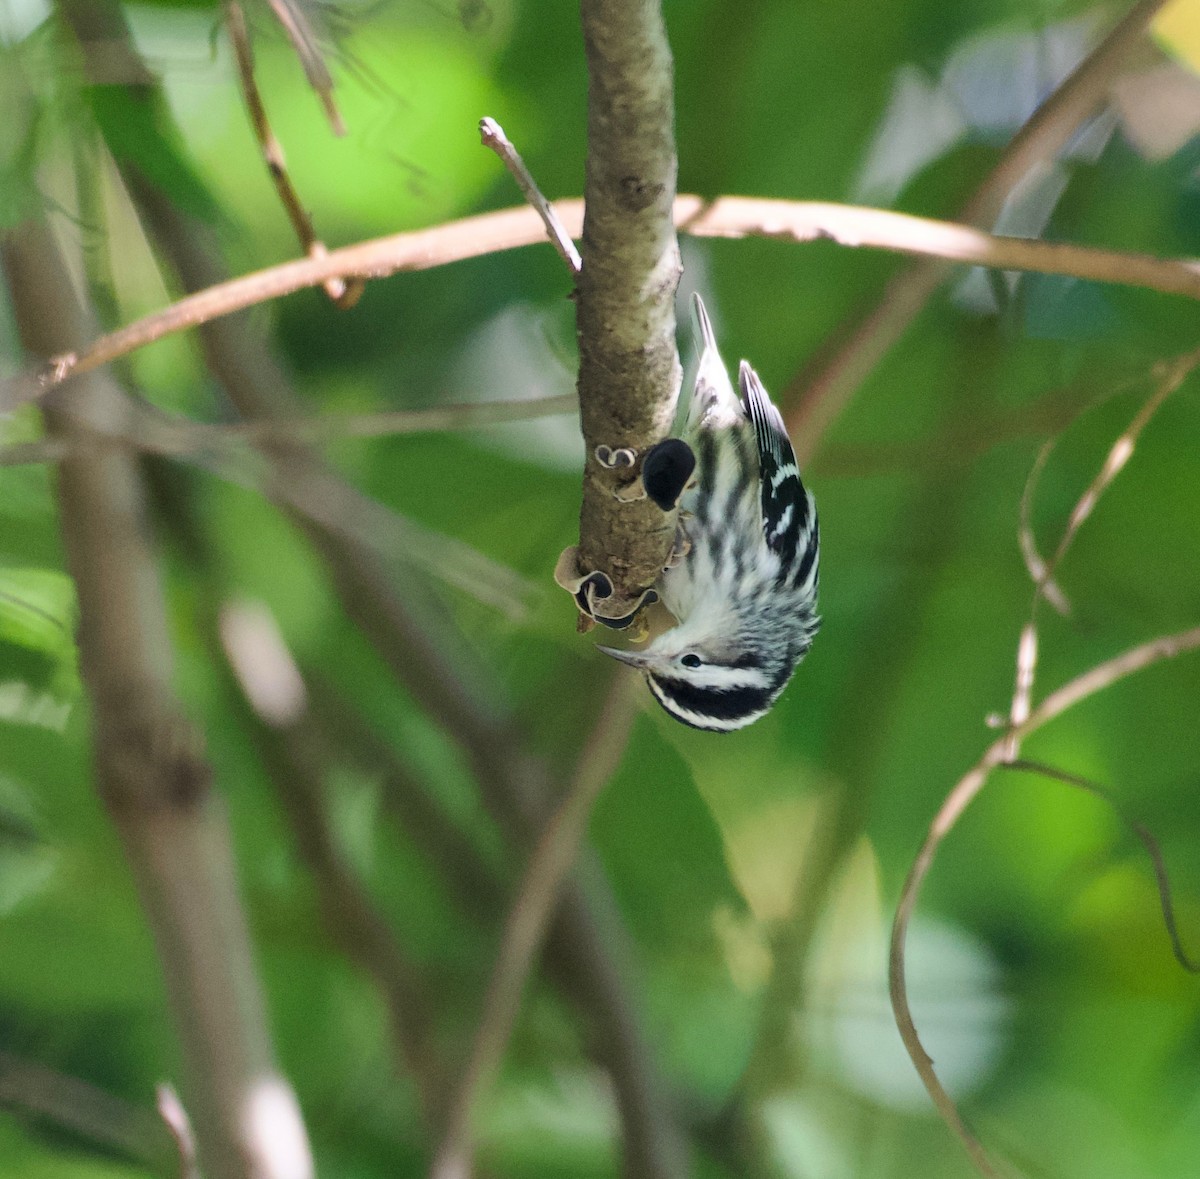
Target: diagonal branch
column 33, row 1090
column 153, row 432
column 525, row 928
column 449, row 681
column 296, row 23
column 340, row 293
column 297, row 758
column 822, row 389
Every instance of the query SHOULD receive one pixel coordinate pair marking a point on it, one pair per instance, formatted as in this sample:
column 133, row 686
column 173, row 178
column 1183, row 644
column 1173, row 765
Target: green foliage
column 1043, row 921
column 138, row 132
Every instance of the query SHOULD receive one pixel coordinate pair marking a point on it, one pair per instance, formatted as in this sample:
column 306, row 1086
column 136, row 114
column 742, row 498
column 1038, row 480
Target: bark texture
column 629, row 370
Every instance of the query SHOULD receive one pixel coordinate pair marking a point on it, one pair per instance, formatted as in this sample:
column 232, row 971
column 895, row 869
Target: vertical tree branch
column 628, row 365
column 150, row 769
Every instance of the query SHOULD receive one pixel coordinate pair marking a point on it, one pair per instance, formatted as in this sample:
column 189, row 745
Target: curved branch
column 1141, row 833
column 1095, row 680
column 902, row 233
column 421, row 250
column 1042, row 571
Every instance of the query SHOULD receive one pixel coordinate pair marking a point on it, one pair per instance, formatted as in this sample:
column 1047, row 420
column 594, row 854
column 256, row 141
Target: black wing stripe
column 809, row 561
column 785, row 503
column 707, row 462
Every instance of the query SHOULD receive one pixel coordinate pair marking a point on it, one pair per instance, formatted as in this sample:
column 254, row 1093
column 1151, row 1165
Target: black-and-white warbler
column 744, row 593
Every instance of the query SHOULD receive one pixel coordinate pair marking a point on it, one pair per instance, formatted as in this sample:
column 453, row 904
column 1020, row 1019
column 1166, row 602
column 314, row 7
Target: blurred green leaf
column 661, row 848
column 138, row 130
column 37, row 639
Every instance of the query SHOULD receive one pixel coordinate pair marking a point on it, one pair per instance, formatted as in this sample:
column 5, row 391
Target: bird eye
column 692, row 661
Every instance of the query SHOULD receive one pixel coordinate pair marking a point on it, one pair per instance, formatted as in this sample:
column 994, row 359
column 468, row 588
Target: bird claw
column 679, row 549
column 639, row 627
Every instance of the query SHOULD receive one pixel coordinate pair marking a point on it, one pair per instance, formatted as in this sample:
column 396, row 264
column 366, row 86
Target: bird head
column 719, row 684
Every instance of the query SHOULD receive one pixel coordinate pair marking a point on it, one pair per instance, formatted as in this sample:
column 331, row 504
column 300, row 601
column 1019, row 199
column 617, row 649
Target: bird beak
column 633, row 658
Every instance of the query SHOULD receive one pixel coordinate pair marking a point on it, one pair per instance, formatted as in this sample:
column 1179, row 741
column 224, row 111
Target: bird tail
column 713, row 393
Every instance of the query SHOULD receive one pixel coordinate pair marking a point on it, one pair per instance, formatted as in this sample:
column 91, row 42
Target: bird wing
column 788, row 518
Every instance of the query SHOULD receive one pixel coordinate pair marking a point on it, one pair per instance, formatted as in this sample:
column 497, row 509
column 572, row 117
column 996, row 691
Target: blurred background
column 740, row 887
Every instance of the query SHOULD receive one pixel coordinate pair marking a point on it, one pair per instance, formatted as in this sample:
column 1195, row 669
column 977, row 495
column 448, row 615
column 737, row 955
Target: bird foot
column 679, row 549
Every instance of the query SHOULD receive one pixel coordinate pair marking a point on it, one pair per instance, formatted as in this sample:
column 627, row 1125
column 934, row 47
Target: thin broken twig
column 493, row 137
column 344, row 294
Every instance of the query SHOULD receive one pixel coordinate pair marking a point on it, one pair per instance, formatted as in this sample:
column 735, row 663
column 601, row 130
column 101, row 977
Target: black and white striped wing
column 789, row 517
